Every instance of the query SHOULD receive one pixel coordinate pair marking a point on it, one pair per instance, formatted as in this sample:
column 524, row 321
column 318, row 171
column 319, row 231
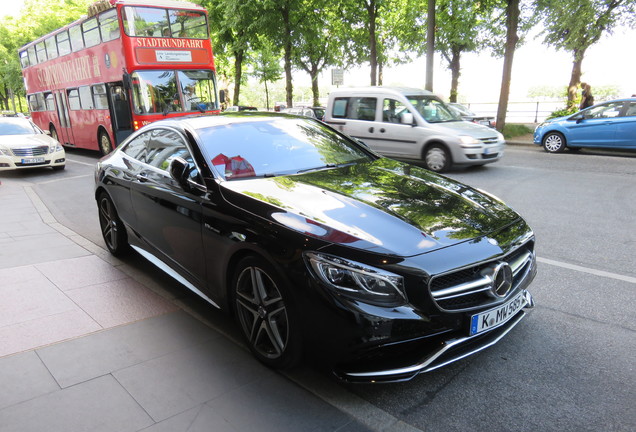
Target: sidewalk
column 90, row 343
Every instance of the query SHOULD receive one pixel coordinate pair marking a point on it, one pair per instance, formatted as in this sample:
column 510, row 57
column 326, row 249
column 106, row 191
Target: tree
column 267, row 65
column 512, row 38
column 575, row 25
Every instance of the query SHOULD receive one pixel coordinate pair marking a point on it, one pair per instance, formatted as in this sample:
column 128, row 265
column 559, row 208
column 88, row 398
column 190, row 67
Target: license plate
column 489, row 150
column 484, row 122
column 492, row 318
column 33, row 160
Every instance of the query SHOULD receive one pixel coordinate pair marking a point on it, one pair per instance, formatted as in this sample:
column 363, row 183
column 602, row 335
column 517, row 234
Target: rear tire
column 105, row 145
column 113, row 230
column 437, row 158
column 265, row 313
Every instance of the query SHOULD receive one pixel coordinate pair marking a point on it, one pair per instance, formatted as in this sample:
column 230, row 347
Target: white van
column 408, row 123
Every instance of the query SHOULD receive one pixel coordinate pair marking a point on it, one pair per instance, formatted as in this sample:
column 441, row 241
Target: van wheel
column 437, row 158
column 105, row 145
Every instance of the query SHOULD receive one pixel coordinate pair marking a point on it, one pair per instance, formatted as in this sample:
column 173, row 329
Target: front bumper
column 446, row 352
column 479, row 155
column 15, row 162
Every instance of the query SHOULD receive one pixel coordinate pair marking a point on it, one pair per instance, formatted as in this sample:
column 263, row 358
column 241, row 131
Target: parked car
column 466, row 114
column 317, row 245
column 313, row 112
column 605, row 125
column 406, row 123
column 235, row 108
column 24, row 145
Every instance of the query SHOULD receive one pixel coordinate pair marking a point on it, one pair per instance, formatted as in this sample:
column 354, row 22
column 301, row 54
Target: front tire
column 265, row 313
column 105, row 145
column 113, row 230
column 554, row 142
column 437, row 158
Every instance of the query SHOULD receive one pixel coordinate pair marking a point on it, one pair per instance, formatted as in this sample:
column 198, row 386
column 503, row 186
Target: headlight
column 6, row 152
column 468, row 141
column 358, row 281
column 55, row 148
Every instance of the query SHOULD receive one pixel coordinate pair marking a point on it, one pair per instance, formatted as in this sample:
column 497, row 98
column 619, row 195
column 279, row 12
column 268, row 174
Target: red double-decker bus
column 129, row 63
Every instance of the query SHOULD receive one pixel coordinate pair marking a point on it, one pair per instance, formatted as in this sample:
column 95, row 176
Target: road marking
column 588, row 270
column 64, row 178
column 81, row 163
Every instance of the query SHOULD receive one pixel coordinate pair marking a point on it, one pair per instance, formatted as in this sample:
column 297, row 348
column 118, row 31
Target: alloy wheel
column 108, row 223
column 262, row 313
column 553, row 143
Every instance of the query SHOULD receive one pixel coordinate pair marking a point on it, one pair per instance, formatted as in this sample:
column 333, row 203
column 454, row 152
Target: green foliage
column 515, row 130
column 562, row 112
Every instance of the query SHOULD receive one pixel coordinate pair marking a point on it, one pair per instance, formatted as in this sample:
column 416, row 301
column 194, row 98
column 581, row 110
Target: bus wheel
column 105, row 145
column 53, row 132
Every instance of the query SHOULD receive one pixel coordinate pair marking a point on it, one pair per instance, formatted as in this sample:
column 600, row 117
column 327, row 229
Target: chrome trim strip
column 425, row 366
column 466, row 286
column 170, row 272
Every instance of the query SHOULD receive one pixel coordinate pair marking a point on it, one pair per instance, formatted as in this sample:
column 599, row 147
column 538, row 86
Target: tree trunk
column 380, row 72
column 373, row 47
column 314, row 86
column 238, row 72
column 455, row 72
column 430, row 44
column 512, row 24
column 575, row 78
column 266, row 96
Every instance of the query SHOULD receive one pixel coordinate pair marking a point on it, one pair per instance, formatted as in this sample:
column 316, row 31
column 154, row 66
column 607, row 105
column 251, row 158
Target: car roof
column 383, row 90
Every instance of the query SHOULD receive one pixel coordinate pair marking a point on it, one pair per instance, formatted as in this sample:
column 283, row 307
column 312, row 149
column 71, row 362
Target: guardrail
column 519, row 112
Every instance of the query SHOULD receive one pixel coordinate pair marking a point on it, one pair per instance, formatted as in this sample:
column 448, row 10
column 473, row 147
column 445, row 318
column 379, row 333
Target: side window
column 99, row 96
column 608, row 110
column 91, row 32
column 77, row 42
column 164, row 146
column 33, row 103
column 40, row 101
column 24, row 59
column 392, row 111
column 362, row 108
column 33, row 60
column 63, row 43
column 631, row 109
column 86, row 98
column 109, row 26
column 40, row 51
column 73, row 99
column 49, row 100
column 340, row 107
column 138, row 147
column 51, row 47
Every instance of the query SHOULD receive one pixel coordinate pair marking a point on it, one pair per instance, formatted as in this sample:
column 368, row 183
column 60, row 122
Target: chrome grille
column 30, row 151
column 489, row 140
column 470, row 287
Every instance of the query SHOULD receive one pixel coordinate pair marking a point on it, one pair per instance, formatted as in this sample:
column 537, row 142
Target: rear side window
column 355, row 108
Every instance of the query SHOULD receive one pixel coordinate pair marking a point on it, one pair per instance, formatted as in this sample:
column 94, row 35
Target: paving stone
column 79, row 272
column 23, row 377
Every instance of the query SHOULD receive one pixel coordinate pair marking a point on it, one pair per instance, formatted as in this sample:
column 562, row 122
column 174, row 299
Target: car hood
column 384, row 206
column 466, row 128
column 20, row 141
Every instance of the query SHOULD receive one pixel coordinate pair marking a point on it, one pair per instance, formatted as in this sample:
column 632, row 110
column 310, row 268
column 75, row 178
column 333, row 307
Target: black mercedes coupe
column 318, row 246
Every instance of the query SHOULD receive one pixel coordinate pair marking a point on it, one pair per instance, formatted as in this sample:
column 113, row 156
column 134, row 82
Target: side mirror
column 407, row 118
column 178, row 170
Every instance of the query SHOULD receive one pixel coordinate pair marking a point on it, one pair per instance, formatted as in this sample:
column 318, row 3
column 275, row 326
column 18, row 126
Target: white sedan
column 24, row 145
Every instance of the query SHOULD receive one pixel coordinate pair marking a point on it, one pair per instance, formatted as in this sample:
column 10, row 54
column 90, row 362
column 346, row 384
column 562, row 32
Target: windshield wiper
column 326, row 166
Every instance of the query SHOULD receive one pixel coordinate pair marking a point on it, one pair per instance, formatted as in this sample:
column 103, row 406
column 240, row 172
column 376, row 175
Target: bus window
column 86, row 98
column 145, row 21
column 33, row 103
column 188, row 24
column 49, row 101
column 24, row 59
column 40, row 51
column 109, row 25
column 63, row 44
column 155, row 92
column 51, row 47
column 100, row 97
column 91, row 32
column 197, row 87
column 73, row 99
column 33, row 60
column 77, row 42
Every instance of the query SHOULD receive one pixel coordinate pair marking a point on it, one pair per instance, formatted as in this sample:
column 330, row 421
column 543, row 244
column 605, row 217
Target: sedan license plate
column 484, row 122
column 492, row 318
column 33, row 160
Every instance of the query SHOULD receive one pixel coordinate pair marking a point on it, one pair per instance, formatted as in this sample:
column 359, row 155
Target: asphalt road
column 569, row 366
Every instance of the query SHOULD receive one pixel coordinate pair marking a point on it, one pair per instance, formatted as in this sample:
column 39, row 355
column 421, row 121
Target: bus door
column 119, row 111
column 65, row 134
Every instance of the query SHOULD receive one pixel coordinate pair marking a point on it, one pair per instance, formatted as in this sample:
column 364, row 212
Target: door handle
column 371, row 129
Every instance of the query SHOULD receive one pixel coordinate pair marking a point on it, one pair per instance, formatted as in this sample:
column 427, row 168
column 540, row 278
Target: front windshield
column 16, row 127
column 166, row 23
column 266, row 146
column 433, row 110
column 173, row 91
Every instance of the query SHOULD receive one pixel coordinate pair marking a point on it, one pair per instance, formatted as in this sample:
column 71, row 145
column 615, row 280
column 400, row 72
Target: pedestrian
column 587, row 98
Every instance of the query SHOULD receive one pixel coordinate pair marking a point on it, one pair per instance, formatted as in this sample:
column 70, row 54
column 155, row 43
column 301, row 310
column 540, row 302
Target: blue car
column 609, row 124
